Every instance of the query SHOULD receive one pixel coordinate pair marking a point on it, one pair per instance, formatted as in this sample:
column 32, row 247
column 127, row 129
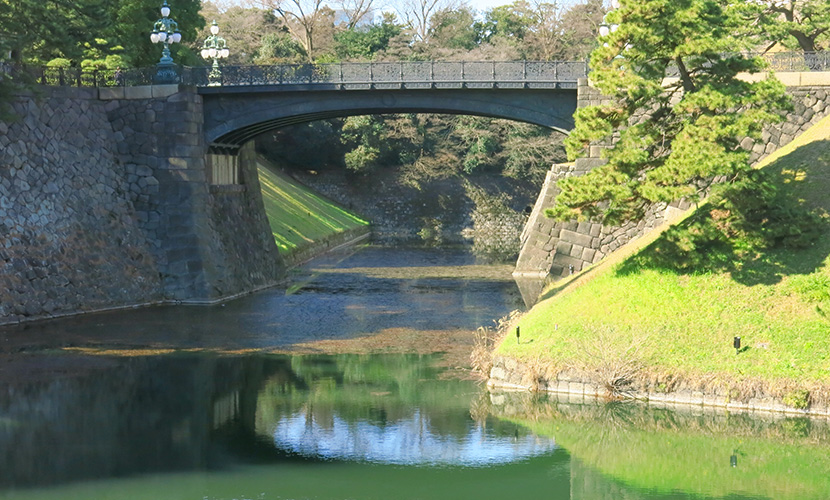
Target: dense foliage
column 93, row 33
column 675, row 113
column 795, row 24
column 658, row 34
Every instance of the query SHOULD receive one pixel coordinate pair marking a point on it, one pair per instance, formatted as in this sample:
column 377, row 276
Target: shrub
column 799, row 398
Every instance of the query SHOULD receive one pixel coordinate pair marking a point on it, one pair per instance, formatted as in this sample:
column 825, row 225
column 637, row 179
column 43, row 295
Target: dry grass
column 613, row 360
column 487, row 338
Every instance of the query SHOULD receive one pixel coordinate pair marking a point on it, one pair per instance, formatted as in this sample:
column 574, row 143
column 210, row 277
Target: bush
column 799, row 399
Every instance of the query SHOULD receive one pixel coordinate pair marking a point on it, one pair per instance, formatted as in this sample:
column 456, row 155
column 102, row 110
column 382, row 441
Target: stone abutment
column 105, row 203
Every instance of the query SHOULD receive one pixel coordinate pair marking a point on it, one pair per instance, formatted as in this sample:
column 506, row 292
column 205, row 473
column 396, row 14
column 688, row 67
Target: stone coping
column 507, row 374
column 227, row 188
column 139, row 92
column 584, row 392
column 788, row 78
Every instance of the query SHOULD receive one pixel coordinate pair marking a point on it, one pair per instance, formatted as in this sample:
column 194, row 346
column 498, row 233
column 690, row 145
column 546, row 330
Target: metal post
column 462, row 74
column 401, row 72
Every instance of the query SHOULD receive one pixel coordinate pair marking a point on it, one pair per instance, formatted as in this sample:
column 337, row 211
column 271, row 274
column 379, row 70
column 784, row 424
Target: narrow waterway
column 350, row 382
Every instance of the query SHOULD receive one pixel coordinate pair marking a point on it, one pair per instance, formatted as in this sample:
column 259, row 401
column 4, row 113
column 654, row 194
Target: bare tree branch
column 355, row 11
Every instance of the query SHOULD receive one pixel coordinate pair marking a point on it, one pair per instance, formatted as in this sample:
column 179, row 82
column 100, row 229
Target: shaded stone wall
column 249, row 256
column 104, row 202
column 208, row 244
column 440, row 210
column 556, row 249
column 69, row 238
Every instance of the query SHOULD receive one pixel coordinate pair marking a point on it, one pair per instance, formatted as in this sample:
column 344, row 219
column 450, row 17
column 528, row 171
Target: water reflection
column 349, row 426
column 386, row 409
column 126, row 416
column 628, row 450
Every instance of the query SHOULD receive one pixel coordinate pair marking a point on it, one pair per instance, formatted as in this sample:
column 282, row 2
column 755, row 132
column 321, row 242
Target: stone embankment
column 510, row 374
column 486, row 211
column 563, row 248
column 104, row 204
column 68, row 234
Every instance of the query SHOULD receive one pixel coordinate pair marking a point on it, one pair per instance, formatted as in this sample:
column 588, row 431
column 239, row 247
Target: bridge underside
column 232, row 119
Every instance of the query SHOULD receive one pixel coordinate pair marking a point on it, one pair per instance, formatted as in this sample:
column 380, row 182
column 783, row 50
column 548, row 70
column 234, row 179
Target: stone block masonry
column 104, row 203
column 69, row 238
column 556, row 249
column 208, row 244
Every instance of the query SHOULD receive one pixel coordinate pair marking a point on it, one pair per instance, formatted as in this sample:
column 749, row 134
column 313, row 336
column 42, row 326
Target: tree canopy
column 675, row 112
column 100, row 33
column 795, row 24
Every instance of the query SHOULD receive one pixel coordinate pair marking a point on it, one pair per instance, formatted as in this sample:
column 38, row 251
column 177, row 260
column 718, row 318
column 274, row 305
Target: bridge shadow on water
column 776, row 224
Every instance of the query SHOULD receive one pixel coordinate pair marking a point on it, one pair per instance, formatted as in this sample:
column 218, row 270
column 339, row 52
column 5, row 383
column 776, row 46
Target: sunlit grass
column 777, row 301
column 299, row 217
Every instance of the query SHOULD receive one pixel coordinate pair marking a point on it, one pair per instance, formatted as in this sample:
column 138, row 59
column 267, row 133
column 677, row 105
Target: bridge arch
column 235, row 115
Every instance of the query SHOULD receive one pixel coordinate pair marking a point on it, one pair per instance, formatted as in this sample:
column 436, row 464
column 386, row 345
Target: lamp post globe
column 215, row 47
column 166, row 31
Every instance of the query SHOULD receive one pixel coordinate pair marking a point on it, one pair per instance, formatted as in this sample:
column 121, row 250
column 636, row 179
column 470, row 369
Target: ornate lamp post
column 604, row 28
column 166, row 31
column 215, row 48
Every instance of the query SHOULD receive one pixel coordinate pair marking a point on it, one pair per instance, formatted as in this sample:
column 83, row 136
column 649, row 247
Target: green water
column 186, row 403
column 207, row 426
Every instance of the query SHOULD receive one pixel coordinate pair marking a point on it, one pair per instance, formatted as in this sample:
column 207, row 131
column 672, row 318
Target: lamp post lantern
column 215, row 47
column 604, row 28
column 166, row 31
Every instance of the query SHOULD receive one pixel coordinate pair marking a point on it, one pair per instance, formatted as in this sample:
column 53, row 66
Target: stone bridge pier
column 209, row 236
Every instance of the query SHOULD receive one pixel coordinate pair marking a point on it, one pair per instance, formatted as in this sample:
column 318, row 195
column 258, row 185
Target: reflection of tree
column 372, row 388
column 658, row 450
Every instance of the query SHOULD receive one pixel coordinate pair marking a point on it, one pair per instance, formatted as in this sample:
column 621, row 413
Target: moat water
column 330, row 387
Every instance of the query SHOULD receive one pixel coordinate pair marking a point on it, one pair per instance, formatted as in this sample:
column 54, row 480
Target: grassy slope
column 683, row 324
column 297, row 215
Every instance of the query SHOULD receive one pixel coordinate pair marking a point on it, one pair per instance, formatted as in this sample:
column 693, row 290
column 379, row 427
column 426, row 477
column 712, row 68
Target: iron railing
column 375, row 75
column 388, row 75
column 797, row 61
column 431, row 74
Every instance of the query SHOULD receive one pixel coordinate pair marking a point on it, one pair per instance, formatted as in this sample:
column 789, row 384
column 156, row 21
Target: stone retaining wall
column 69, row 237
column 510, row 374
column 104, row 203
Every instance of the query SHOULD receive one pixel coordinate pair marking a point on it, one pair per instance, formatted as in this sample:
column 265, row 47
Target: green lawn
column 297, row 215
column 683, row 323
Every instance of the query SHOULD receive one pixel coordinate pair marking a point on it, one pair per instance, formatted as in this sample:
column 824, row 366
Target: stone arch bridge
column 191, row 165
column 254, row 100
column 162, row 181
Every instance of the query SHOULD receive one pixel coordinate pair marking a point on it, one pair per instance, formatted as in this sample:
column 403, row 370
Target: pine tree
column 676, row 110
